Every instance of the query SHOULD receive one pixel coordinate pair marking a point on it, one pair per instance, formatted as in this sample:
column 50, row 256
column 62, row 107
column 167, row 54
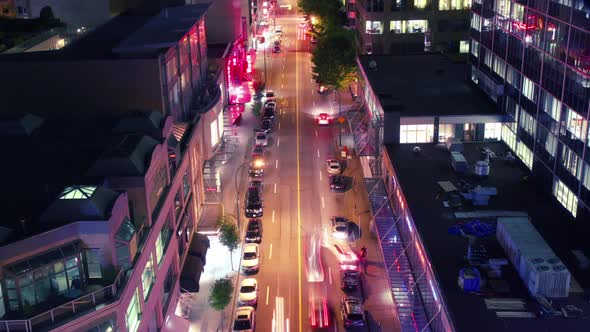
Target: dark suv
column 253, row 203
column 350, row 280
column 254, row 231
column 352, row 312
column 337, row 183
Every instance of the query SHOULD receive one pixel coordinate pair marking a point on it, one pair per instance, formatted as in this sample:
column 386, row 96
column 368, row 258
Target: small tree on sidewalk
column 220, row 295
column 228, row 235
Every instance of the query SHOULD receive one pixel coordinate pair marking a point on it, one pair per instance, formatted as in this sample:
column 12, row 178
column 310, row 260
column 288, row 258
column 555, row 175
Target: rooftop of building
column 424, row 85
column 130, row 34
column 419, row 173
column 57, row 156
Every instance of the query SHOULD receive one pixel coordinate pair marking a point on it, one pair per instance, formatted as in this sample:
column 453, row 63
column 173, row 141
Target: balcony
column 69, row 306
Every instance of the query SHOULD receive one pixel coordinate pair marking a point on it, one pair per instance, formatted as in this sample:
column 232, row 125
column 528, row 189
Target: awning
column 194, row 264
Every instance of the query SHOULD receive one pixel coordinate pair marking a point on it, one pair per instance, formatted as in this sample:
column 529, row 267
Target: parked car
column 350, row 280
column 340, row 227
column 261, row 139
column 254, row 194
column 253, row 209
column 337, row 183
column 269, row 95
column 254, row 231
column 256, row 183
column 251, row 258
column 276, row 49
column 256, row 167
column 245, row 320
column 271, row 103
column 333, row 166
column 258, row 152
column 248, row 295
column 352, row 312
column 269, row 113
column 267, row 125
column 279, row 30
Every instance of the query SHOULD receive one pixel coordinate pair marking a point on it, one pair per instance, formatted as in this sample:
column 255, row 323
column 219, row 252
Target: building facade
column 533, row 58
column 412, row 26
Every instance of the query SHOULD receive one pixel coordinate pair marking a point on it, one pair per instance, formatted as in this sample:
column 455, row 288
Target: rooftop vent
column 373, row 65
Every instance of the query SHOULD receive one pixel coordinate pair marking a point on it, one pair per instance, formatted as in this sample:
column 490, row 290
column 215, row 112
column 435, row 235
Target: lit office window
column 586, row 179
column 525, row 154
column 454, row 4
column 214, row 135
column 509, row 137
column 464, row 46
column 529, row 89
column 133, row 313
column 373, row 27
column 420, row 4
column 411, row 26
column 445, row 131
column 475, row 21
column 2, row 307
column 148, row 278
column 493, row 131
column 571, row 161
column 565, row 196
column 474, row 47
column 416, row 133
column 526, row 121
column 499, row 66
column 576, row 124
column 551, row 105
column 551, row 144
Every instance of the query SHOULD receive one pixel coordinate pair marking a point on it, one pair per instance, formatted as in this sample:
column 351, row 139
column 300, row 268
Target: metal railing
column 69, row 310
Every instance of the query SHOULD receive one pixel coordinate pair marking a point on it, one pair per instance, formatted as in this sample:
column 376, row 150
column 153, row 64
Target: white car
column 245, row 319
column 261, row 139
column 248, row 292
column 251, row 258
column 333, row 166
column 278, row 30
column 340, row 227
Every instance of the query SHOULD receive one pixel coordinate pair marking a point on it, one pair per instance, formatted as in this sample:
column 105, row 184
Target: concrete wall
column 96, row 86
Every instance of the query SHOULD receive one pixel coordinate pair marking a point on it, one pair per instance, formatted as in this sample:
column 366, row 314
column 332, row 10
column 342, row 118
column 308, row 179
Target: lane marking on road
column 313, row 103
column 275, row 191
column 316, row 133
column 267, row 292
column 320, row 176
column 330, row 274
column 277, row 163
column 278, row 142
column 318, row 153
column 282, row 86
column 279, row 126
column 273, row 216
column 270, row 253
column 323, row 203
column 283, row 75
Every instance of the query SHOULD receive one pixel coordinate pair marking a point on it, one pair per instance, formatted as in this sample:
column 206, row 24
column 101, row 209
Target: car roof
column 248, row 282
column 339, row 219
column 245, row 312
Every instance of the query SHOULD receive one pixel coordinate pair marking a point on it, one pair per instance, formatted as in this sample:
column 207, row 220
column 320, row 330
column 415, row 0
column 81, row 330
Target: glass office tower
column 533, row 58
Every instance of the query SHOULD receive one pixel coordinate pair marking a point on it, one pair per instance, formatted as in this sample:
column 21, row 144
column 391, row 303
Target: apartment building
column 100, row 241
column 532, row 59
column 411, row 26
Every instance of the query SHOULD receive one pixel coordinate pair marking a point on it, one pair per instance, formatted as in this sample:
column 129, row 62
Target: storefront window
column 417, row 26
column 571, row 161
column 492, row 131
column 93, row 265
column 214, row 135
column 133, row 313
column 445, row 131
column 508, row 137
column 416, row 133
column 576, row 124
column 464, row 46
column 525, row 154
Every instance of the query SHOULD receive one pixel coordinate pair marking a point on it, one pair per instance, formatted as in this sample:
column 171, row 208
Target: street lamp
column 238, row 212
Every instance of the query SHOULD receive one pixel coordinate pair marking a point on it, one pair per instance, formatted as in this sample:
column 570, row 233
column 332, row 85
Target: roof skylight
column 77, row 192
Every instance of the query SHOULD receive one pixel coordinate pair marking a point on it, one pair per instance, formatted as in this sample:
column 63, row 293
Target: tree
column 327, row 11
column 46, row 14
column 334, row 62
column 221, row 295
column 228, row 236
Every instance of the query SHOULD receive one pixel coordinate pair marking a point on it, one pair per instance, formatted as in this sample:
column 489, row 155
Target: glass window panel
column 28, row 295
column 59, row 282
column 93, row 263
column 148, row 278
column 159, row 248
column 122, row 252
column 126, row 230
column 71, row 262
column 42, row 289
column 58, row 267
column 2, row 307
column 133, row 313
column 74, row 278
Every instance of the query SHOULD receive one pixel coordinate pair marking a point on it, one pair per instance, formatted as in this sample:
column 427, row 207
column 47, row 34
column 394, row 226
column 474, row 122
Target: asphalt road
column 297, row 200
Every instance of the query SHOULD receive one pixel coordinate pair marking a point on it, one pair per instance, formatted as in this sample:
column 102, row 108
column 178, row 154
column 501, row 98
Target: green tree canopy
column 333, row 59
column 327, row 11
column 228, row 233
column 221, row 294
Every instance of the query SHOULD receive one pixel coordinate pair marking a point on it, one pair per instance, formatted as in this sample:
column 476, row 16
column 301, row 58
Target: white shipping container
column 542, row 272
column 545, row 275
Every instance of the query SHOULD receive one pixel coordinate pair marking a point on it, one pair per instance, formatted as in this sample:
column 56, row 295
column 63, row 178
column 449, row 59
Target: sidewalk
column 378, row 300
